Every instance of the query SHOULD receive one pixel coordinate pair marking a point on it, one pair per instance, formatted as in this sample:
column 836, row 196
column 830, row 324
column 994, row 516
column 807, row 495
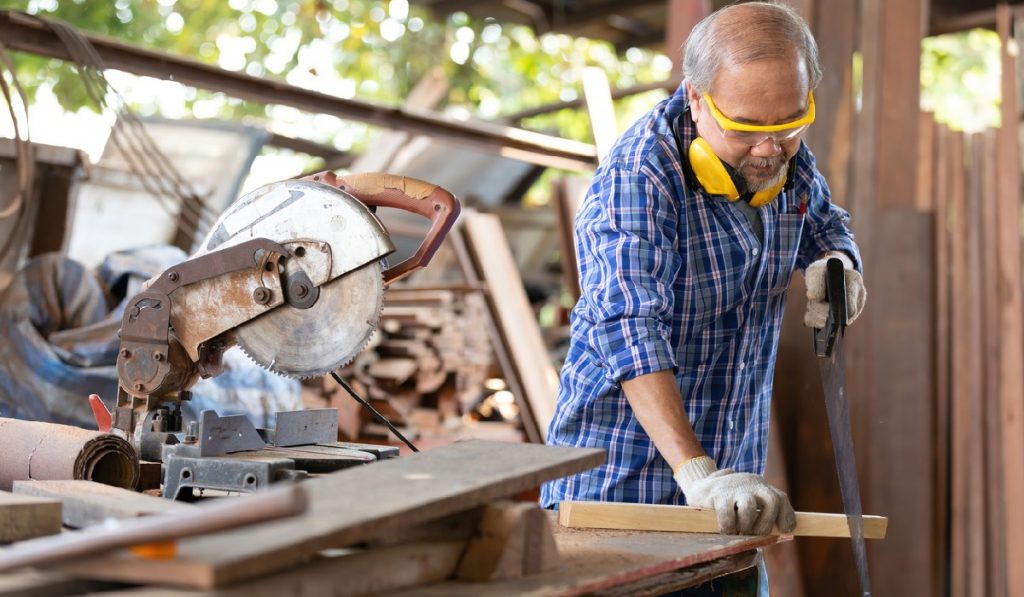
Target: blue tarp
column 58, row 344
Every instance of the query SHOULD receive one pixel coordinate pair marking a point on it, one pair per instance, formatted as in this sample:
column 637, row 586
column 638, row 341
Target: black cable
column 380, row 418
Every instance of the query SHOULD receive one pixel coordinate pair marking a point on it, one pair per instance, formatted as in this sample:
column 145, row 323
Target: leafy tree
column 373, row 50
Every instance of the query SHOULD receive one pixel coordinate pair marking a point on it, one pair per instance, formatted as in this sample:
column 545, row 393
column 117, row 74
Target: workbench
column 591, row 561
column 411, row 526
column 607, row 562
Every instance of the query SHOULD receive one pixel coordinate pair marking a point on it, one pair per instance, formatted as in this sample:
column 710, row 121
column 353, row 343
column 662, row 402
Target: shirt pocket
column 783, row 252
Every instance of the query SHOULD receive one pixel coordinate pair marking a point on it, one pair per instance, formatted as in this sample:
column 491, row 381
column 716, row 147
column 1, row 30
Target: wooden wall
column 934, row 363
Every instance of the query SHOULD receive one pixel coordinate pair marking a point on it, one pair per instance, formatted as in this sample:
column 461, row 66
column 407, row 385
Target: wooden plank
column 32, row 583
column 489, row 249
column 983, row 167
column 355, row 505
column 940, row 491
column 597, row 96
column 211, row 517
column 967, row 505
column 27, row 517
column 512, row 540
column 87, row 503
column 902, row 28
column 657, row 517
column 669, row 583
column 456, row 239
column 1011, row 306
column 925, row 200
column 32, row 35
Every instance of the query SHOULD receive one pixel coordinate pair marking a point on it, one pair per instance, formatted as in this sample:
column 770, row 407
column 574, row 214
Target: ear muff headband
column 714, row 178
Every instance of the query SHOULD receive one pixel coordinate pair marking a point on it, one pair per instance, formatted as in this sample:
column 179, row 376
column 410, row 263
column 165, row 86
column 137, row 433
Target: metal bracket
column 303, row 427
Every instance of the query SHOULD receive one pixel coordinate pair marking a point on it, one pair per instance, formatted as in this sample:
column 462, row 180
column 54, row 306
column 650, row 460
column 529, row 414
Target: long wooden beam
column 654, row 517
column 667, row 85
column 27, row 33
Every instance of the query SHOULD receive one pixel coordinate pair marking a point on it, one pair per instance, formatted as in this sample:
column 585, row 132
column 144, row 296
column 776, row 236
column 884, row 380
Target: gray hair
column 745, row 33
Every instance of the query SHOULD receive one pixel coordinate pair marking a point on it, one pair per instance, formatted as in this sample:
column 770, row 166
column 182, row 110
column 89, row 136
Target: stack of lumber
column 423, row 370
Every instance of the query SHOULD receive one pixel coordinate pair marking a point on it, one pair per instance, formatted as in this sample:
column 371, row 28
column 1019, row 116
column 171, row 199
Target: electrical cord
column 380, row 418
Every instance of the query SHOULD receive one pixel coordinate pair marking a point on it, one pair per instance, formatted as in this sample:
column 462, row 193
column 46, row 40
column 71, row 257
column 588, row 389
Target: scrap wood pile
column 461, row 344
column 425, row 368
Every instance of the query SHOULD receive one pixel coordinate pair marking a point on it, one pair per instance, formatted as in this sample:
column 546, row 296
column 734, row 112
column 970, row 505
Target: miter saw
column 294, row 274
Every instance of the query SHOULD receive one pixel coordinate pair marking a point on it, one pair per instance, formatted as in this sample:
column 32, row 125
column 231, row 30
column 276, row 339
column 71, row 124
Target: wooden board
column 25, row 517
column 654, row 517
column 87, row 503
column 1011, row 322
column 356, row 505
column 520, row 331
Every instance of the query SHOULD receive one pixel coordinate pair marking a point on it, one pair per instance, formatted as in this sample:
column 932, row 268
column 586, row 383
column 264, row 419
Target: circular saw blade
column 315, row 341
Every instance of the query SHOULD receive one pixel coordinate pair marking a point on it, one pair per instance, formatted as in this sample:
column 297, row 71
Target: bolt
column 300, row 290
column 261, row 295
column 125, row 353
column 158, row 356
column 173, row 276
column 138, row 387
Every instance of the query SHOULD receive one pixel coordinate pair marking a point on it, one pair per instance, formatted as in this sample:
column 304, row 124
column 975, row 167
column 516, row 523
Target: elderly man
column 688, row 239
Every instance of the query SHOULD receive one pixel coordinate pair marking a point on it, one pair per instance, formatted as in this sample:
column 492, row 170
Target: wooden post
column 1011, row 386
column 681, row 16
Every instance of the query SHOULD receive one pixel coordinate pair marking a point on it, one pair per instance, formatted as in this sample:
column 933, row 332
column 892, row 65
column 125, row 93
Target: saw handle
column 835, row 294
column 408, row 194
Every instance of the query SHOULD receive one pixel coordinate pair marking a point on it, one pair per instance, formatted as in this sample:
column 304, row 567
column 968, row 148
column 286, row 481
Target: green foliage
column 960, row 79
column 373, row 50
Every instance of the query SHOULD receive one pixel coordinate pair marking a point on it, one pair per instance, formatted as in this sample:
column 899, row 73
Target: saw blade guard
column 297, row 209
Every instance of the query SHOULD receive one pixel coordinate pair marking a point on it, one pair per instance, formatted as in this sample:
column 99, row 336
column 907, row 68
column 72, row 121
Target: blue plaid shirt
column 675, row 279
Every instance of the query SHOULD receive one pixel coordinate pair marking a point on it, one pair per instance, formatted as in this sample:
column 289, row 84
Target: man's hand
column 817, row 300
column 745, row 503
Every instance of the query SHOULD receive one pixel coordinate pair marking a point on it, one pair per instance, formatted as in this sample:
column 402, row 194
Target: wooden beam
column 681, row 17
column 31, row 34
column 902, row 27
column 1010, row 324
column 601, row 110
column 27, row 517
column 668, row 85
column 687, row 519
column 496, row 266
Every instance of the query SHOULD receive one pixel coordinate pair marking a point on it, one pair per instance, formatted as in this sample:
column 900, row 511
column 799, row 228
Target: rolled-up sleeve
column 629, row 251
column 828, row 225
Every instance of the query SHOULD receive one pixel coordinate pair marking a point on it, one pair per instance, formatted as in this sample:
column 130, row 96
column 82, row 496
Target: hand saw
column 828, row 347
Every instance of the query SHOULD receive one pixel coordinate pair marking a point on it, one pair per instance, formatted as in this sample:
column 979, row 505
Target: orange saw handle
column 408, row 194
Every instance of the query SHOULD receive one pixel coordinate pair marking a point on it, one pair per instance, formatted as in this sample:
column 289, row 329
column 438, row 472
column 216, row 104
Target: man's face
column 766, row 92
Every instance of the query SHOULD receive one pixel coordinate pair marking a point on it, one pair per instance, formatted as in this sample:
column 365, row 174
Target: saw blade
column 315, row 341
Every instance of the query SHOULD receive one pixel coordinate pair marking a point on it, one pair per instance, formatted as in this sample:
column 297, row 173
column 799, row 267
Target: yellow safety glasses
column 756, row 134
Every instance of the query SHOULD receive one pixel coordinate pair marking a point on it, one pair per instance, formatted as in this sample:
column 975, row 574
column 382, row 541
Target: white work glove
column 744, row 502
column 817, row 303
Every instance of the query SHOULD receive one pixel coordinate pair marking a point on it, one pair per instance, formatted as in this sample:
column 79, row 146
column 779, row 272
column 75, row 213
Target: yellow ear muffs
column 712, row 175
